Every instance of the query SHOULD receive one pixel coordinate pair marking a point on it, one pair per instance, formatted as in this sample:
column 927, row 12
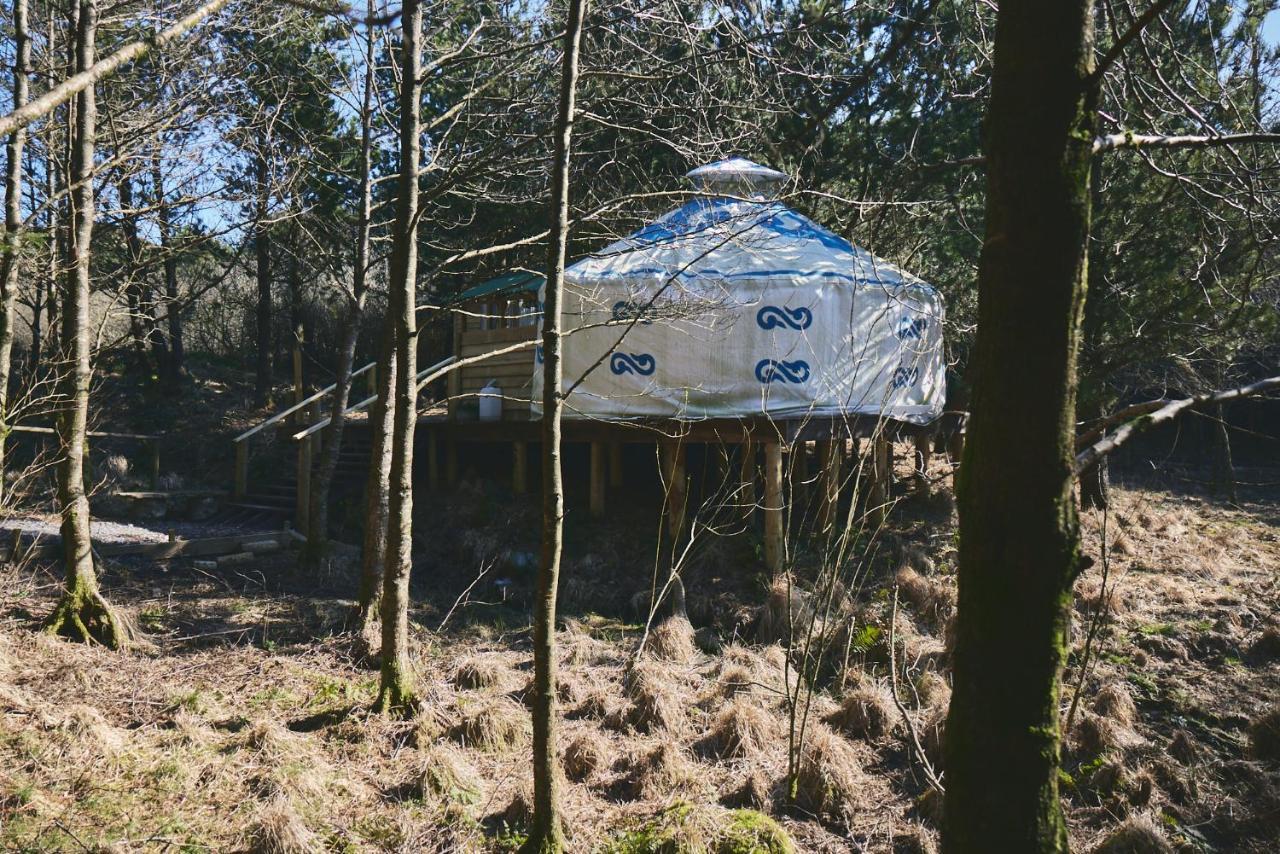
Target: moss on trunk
column 1019, row 534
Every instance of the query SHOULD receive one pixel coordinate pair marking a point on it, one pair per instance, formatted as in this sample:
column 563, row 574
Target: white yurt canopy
column 737, row 307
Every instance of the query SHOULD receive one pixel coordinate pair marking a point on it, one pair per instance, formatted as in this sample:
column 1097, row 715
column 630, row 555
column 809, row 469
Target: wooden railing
column 307, row 435
column 241, row 442
column 150, row 441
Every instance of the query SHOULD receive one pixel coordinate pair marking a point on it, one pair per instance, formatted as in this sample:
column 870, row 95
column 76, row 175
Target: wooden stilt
column 598, row 475
column 923, row 451
column 831, row 458
column 747, row 477
column 615, row 465
column 520, row 467
column 773, row 506
column 676, row 482
column 798, row 473
column 881, row 478
column 671, row 458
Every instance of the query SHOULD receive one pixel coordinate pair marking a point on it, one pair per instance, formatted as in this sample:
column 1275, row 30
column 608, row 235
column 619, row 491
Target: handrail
column 95, row 434
column 324, row 422
column 280, row 416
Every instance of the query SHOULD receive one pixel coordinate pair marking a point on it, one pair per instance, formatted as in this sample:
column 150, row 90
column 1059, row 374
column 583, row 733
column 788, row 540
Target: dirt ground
column 241, row 722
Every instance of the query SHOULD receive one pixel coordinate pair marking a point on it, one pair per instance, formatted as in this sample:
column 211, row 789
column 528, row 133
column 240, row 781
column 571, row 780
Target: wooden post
column 773, row 506
column 433, row 462
column 302, row 510
column 520, row 467
column 747, row 476
column 615, row 465
column 881, row 477
column 451, row 463
column 313, row 417
column 924, row 450
column 597, row 479
column 830, row 457
column 675, row 482
column 155, row 464
column 242, row 469
column 299, row 393
column 373, row 381
column 955, row 450
column 798, row 474
column 454, row 382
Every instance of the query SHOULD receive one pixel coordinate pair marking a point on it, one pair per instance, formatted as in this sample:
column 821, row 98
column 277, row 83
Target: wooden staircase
column 287, row 496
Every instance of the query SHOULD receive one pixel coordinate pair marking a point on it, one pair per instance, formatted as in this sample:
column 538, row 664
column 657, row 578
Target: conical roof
column 714, row 237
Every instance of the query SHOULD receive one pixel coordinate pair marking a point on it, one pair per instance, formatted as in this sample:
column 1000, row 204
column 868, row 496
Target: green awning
column 506, row 284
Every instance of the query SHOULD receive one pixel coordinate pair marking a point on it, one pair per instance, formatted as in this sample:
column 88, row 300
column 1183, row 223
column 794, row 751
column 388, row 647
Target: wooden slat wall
column 513, row 372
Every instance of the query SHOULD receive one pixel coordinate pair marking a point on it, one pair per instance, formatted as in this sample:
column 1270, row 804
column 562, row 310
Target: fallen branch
column 1143, row 416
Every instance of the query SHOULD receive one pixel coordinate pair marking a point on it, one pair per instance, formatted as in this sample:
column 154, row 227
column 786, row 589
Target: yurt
column 736, row 306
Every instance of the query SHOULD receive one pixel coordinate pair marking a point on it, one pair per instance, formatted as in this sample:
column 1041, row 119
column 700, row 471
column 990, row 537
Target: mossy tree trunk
column 546, row 833
column 317, row 546
column 82, row 614
column 1019, row 534
column 9, row 260
column 396, row 690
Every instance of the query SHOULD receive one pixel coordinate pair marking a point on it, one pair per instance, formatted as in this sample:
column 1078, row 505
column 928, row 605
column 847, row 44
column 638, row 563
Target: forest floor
column 242, row 723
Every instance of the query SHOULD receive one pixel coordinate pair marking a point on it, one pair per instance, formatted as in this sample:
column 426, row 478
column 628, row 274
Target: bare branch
column 1159, row 412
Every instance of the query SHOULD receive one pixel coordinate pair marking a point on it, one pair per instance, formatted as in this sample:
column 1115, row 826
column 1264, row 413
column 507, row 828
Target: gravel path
column 42, row 526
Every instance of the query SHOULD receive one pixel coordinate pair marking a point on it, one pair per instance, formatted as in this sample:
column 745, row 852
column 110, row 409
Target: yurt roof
column 719, row 237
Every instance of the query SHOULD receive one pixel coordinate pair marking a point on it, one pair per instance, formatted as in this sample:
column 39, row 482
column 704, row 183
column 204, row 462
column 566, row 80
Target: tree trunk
column 82, row 614
column 1019, row 534
column 149, row 345
column 9, row 261
column 318, row 542
column 377, row 500
column 545, row 832
column 263, row 380
column 173, row 315
column 1095, row 486
column 396, row 690
column 1224, row 473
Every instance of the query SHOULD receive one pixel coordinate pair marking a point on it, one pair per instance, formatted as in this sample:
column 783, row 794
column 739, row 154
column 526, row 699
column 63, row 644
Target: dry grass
column 1114, row 702
column 656, row 699
column 934, row 690
column 830, row 781
column 497, row 725
column 278, row 829
column 742, row 730
column 867, row 712
column 658, row 773
column 786, row 612
column 1139, row 834
column 672, row 640
column 585, row 755
column 447, row 775
column 480, row 672
column 1095, row 735
column 1264, row 735
column 932, row 600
